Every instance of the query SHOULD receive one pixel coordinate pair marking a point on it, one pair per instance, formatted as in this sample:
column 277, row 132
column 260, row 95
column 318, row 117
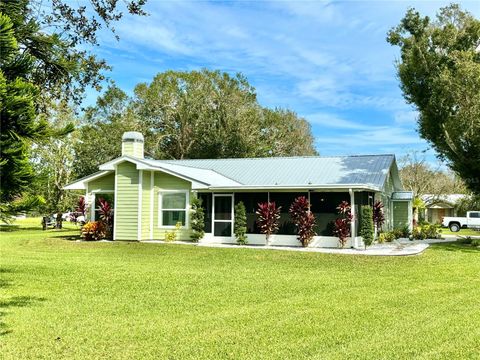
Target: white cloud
column 335, row 122
column 406, row 117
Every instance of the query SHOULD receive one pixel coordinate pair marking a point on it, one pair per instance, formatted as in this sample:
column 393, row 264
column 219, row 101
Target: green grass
column 74, row 300
column 462, row 232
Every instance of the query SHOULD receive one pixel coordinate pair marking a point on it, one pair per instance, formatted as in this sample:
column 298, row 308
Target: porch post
column 354, row 215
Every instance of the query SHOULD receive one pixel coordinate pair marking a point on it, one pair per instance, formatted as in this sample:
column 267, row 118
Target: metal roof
column 402, row 195
column 335, row 171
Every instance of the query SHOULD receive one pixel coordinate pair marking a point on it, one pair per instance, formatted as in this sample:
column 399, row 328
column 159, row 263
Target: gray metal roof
column 370, row 170
column 402, row 195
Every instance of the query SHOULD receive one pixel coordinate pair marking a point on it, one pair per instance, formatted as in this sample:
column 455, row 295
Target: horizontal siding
column 106, row 182
column 127, row 202
column 164, row 182
column 400, row 214
column 134, row 149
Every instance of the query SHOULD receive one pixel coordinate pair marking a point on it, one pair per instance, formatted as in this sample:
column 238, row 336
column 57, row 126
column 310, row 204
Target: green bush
column 366, row 225
column 240, row 224
column 403, row 232
column 475, row 242
column 388, row 236
column 431, row 231
column 197, row 220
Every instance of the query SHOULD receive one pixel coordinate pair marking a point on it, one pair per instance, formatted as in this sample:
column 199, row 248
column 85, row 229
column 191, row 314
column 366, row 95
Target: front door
column 223, row 215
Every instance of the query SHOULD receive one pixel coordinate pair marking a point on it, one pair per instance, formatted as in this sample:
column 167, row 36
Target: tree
column 366, row 225
column 52, row 161
column 303, row 219
column 101, row 130
column 197, row 220
column 210, row 114
column 422, row 179
column 240, row 225
column 283, row 133
column 439, row 72
column 267, row 220
column 468, row 203
column 36, row 66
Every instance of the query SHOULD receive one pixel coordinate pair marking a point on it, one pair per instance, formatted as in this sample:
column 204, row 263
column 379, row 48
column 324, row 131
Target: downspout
column 352, row 223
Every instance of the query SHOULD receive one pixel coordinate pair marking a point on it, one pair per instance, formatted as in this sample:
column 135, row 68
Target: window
column 475, row 215
column 173, row 207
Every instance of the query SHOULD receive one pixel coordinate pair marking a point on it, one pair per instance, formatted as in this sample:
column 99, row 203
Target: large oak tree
column 439, row 72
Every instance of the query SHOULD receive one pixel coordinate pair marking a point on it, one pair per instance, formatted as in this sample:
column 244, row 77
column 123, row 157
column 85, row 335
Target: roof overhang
column 331, row 187
column 143, row 165
column 80, row 183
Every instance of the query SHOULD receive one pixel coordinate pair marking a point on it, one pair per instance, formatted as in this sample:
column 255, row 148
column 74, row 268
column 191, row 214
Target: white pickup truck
column 472, row 221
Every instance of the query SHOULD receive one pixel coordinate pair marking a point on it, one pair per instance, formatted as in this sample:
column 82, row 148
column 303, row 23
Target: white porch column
column 354, row 215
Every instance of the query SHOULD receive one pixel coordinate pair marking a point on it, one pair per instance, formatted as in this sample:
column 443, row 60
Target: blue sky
column 328, row 61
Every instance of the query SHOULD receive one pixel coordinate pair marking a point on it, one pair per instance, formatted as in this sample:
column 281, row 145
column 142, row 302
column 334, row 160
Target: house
column 151, row 196
column 439, row 206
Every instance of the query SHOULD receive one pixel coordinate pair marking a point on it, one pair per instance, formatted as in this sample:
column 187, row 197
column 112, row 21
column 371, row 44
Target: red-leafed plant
column 341, row 226
column 80, row 211
column 303, row 219
column 105, row 212
column 378, row 215
column 268, row 215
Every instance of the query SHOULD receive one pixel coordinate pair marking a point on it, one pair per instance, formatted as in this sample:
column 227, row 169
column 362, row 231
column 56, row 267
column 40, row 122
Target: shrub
column 342, row 224
column 93, row 230
column 475, row 242
column 268, row 215
column 366, row 225
column 240, row 224
column 106, row 216
column 403, row 232
column 431, row 231
column 172, row 235
column 303, row 219
column 378, row 215
column 388, row 236
column 80, row 211
column 197, row 220
column 467, row 240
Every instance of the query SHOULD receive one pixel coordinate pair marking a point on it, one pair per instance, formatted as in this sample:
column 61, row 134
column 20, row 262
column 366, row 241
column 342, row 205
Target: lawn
column 462, row 232
column 60, row 298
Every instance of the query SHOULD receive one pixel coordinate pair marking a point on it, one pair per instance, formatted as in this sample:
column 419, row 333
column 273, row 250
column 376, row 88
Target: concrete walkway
column 398, row 248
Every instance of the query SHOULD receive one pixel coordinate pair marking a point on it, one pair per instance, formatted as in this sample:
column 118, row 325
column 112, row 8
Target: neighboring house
column 439, row 206
column 151, row 196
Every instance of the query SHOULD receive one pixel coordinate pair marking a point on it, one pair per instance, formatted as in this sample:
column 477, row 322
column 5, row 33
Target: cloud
column 406, row 117
column 335, row 122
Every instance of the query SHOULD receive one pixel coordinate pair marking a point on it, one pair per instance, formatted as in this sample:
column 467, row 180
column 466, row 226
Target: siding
column 133, row 149
column 168, row 182
column 146, row 202
column 400, row 214
column 104, row 183
column 126, row 226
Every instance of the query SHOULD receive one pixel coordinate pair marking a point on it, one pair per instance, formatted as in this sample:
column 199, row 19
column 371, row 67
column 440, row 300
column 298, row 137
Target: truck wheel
column 454, row 227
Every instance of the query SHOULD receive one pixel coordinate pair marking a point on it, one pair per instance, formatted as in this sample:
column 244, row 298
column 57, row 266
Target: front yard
column 65, row 299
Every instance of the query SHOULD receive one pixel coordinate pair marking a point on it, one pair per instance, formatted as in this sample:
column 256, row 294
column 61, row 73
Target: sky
column 327, row 61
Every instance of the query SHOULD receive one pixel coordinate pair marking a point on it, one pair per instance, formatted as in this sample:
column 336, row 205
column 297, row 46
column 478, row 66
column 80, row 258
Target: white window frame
column 160, row 208
column 94, row 200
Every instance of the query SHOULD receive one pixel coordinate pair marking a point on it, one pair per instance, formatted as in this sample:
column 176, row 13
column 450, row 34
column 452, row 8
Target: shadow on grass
column 14, row 302
column 67, row 237
column 456, row 246
column 12, row 228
